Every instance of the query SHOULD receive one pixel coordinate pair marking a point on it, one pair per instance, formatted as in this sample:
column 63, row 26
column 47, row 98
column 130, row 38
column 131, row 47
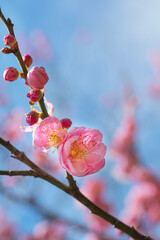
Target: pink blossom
column 27, row 59
column 82, row 153
column 10, row 74
column 94, row 188
column 37, row 78
column 48, row 134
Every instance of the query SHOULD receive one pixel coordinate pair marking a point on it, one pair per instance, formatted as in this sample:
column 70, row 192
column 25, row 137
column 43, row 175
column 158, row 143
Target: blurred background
column 103, row 62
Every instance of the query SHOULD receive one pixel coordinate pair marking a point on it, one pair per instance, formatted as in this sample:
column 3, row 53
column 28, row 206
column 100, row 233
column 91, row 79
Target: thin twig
column 19, row 173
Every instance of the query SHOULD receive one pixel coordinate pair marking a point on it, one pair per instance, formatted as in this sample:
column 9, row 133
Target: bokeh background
column 90, row 50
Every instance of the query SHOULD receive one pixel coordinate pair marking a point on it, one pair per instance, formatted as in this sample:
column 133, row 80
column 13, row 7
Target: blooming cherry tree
column 81, row 151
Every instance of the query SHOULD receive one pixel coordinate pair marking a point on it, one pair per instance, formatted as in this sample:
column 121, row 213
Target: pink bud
column 10, row 74
column 34, row 95
column 27, row 59
column 9, row 40
column 66, row 122
column 32, row 117
column 37, row 78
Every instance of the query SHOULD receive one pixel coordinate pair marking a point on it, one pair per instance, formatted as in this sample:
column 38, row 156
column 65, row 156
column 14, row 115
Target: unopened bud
column 27, row 59
column 34, row 95
column 6, row 50
column 32, row 118
column 66, row 122
column 37, row 78
column 10, row 74
column 10, row 41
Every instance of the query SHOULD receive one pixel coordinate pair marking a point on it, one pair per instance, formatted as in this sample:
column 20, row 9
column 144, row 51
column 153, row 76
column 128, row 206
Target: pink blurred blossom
column 93, row 236
column 47, row 231
column 94, row 189
column 8, row 181
column 37, row 43
column 142, row 204
column 47, row 162
column 82, row 36
column 82, row 152
column 10, row 125
column 7, row 229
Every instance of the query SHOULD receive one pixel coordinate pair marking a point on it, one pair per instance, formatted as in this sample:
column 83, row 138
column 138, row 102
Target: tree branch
column 73, row 190
column 19, row 173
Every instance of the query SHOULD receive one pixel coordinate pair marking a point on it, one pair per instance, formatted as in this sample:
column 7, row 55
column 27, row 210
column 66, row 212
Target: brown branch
column 19, row 173
column 73, row 190
column 72, row 183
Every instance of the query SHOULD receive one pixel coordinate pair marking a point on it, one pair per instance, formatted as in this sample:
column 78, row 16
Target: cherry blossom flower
column 82, row 153
column 48, row 134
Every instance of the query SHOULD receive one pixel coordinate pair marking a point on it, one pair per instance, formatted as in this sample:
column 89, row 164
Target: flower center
column 54, row 140
column 77, row 152
column 81, row 147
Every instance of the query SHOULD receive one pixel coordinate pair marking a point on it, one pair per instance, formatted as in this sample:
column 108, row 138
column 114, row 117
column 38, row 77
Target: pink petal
column 40, row 140
column 78, row 166
column 49, row 107
column 97, row 154
column 67, row 145
column 97, row 167
column 29, row 128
